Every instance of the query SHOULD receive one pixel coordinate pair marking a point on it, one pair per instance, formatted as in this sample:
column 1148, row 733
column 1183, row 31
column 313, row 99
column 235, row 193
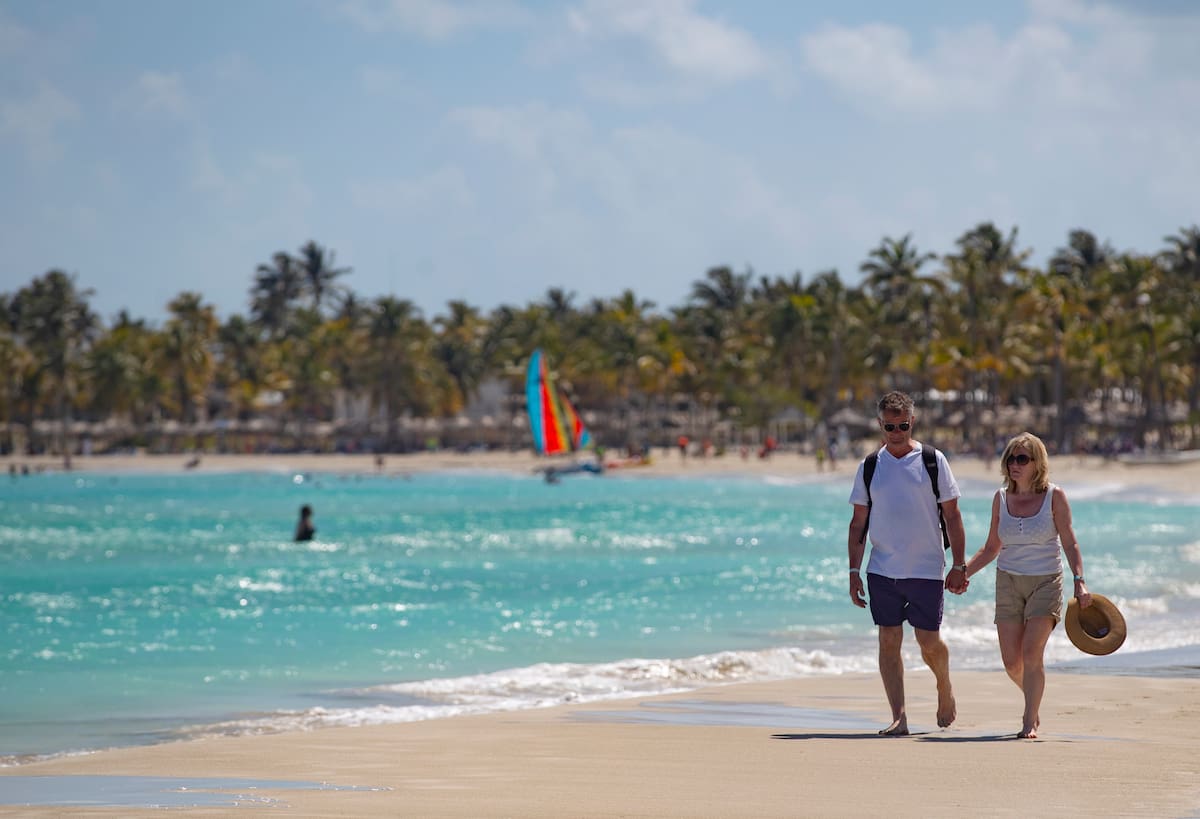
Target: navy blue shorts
column 894, row 601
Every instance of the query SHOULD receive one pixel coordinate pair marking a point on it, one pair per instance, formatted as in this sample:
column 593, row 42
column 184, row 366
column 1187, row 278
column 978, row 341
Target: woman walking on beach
column 1031, row 527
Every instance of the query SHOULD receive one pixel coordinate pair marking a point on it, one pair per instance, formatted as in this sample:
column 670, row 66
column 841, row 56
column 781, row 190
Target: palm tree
column 54, row 319
column 834, row 323
column 1082, row 261
column 892, row 269
column 1181, row 261
column 1077, row 273
column 1141, row 323
column 983, row 274
column 278, row 287
column 459, row 347
column 186, row 353
column 319, row 274
column 617, row 365
column 904, row 300
column 240, row 374
column 17, row 362
column 349, row 343
column 307, row 353
column 718, row 341
column 118, row 372
column 399, row 361
column 785, row 311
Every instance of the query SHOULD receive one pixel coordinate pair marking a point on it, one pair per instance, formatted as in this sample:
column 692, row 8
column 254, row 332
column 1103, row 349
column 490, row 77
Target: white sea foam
column 545, row 685
column 540, row 686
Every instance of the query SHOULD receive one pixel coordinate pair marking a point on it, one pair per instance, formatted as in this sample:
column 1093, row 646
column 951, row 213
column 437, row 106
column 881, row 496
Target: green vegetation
column 1098, row 343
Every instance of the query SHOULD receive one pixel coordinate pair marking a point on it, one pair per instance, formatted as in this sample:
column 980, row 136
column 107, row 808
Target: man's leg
column 937, row 656
column 891, row 668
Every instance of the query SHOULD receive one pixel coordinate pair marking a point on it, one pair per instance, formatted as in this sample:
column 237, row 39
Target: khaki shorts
column 1021, row 596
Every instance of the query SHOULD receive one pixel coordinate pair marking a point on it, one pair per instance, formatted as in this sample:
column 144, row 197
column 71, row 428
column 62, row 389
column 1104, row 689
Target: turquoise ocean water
column 149, row 608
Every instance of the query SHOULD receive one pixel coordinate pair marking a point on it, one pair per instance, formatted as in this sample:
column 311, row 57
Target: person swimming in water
column 304, row 527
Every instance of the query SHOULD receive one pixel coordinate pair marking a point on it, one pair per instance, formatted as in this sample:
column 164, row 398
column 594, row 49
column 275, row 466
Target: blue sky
column 489, row 151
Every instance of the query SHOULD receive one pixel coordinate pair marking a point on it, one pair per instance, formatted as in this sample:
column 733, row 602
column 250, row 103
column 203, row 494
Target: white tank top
column 1030, row 545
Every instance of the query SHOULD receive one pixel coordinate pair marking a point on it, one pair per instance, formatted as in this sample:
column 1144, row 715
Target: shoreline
column 1114, row 742
column 1175, row 480
column 1109, row 746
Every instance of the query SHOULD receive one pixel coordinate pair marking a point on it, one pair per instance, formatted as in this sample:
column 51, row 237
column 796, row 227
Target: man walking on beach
column 904, row 576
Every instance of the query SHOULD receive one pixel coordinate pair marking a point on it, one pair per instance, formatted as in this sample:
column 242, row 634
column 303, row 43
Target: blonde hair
column 1039, row 458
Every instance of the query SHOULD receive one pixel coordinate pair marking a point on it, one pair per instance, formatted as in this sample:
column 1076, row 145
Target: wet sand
column 1109, row 746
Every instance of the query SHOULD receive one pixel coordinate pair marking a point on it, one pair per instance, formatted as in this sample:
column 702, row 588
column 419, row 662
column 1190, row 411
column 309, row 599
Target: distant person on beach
column 905, row 573
column 304, row 527
column 1031, row 526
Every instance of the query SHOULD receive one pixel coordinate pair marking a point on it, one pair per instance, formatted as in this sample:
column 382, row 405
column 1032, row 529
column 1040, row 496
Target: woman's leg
column 1012, row 637
column 1033, row 682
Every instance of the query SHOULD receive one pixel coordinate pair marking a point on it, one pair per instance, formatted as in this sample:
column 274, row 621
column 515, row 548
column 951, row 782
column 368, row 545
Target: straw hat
column 1098, row 629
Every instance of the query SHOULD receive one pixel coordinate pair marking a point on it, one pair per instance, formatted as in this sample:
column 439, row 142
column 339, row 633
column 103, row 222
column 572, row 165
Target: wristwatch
column 962, row 567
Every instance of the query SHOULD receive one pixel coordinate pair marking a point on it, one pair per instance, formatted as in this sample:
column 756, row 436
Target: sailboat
column 554, row 423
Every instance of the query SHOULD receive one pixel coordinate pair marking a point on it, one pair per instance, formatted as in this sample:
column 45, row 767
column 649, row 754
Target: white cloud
column 445, row 190
column 530, row 132
column 688, row 43
column 1069, row 58
column 433, row 19
column 36, row 120
column 14, row 39
column 385, row 82
column 235, row 69
column 162, row 93
column 649, row 193
column 206, row 173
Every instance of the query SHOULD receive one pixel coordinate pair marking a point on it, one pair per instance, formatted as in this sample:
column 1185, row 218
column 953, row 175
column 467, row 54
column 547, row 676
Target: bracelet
column 855, row 571
column 1078, row 578
column 962, row 567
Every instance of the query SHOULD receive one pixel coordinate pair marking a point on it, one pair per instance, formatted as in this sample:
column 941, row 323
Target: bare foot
column 899, row 728
column 1028, row 733
column 947, row 709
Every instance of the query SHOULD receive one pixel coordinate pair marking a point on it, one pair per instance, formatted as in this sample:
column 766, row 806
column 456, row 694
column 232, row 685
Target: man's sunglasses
column 1019, row 460
column 904, row 427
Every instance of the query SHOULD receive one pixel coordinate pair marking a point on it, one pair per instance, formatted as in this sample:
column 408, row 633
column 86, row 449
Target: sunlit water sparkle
column 144, row 608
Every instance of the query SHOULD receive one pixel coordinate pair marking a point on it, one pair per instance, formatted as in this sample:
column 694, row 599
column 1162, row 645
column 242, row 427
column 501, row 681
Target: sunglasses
column 904, row 427
column 1019, row 460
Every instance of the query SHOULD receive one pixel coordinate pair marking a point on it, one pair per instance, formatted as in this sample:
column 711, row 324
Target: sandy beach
column 1109, row 745
column 1173, row 479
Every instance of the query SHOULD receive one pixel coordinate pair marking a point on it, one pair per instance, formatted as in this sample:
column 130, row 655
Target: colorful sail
column 554, row 423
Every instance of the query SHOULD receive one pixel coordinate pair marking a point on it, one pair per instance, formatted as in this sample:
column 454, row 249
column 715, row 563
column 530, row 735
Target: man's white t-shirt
column 906, row 541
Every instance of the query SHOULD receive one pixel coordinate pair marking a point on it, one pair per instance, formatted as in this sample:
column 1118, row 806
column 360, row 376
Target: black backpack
column 929, row 458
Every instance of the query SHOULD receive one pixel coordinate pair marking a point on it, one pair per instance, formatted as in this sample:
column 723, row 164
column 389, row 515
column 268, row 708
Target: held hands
column 956, row 581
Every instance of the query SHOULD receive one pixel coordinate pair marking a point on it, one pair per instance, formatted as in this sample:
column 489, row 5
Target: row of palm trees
column 979, row 324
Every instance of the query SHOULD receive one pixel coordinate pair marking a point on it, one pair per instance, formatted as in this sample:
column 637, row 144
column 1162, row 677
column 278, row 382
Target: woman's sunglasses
column 1019, row 460
column 904, row 427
